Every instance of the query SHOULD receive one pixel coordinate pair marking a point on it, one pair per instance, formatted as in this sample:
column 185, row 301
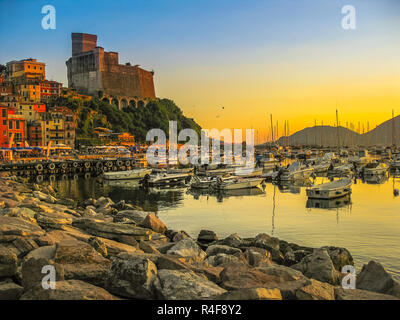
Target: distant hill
column 327, row 136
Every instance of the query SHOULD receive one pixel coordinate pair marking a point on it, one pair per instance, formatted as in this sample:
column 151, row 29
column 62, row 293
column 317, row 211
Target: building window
column 4, row 122
column 4, row 113
column 10, row 125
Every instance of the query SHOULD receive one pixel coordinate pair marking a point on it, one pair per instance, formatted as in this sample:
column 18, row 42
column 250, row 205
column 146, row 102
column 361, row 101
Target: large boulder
column 132, row 277
column 81, row 261
column 187, row 248
column 171, row 262
column 216, row 248
column 8, row 262
column 357, row 294
column 232, row 240
column 340, row 257
column 263, row 240
column 319, row 266
column 33, row 263
column 135, row 216
column 185, row 285
column 19, row 227
column 373, row 277
column 222, row 259
column 257, row 257
column 287, row 280
column 153, row 223
column 316, row 291
column 68, row 290
column 207, row 236
column 10, row 290
column 125, row 233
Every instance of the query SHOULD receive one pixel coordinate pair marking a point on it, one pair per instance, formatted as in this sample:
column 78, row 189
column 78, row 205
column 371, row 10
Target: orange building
column 11, row 125
column 25, row 70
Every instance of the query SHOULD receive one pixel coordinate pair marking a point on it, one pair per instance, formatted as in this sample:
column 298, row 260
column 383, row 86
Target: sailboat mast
column 272, row 130
column 393, row 130
column 337, row 129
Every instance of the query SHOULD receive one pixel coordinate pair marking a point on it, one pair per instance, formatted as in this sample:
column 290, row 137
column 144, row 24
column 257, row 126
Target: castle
column 93, row 71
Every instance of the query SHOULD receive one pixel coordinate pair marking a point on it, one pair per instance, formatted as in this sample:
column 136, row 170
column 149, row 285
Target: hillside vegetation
column 137, row 121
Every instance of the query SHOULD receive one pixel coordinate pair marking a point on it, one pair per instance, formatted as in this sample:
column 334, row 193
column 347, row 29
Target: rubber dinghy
column 330, row 190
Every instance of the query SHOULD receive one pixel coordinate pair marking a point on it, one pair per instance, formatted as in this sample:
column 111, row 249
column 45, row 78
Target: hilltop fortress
column 93, row 71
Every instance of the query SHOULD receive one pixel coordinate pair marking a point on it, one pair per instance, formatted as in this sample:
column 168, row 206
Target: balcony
column 56, row 130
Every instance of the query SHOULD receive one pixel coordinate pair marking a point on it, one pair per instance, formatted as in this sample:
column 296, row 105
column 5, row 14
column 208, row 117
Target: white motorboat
column 294, row 171
column 127, row 175
column 330, row 190
column 235, row 183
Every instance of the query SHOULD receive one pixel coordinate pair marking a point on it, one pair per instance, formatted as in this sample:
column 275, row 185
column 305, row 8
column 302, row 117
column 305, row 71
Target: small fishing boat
column 127, row 175
column 159, row 179
column 203, row 182
column 330, row 190
column 294, row 171
column 235, row 183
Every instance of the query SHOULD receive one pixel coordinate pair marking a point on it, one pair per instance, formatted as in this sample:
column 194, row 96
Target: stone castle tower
column 91, row 70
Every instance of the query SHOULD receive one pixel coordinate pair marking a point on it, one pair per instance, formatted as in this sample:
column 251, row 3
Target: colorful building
column 49, row 89
column 58, row 125
column 29, row 92
column 35, row 136
column 12, row 126
column 31, row 111
column 24, row 71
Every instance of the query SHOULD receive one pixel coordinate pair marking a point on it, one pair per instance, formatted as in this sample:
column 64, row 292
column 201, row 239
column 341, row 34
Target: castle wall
column 95, row 70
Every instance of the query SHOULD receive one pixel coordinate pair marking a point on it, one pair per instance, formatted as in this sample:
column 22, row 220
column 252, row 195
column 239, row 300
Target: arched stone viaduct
column 125, row 102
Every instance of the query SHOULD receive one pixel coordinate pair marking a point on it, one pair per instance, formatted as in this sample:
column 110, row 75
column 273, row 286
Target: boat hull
column 126, row 175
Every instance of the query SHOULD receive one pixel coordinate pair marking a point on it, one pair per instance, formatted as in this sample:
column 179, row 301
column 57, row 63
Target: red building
column 49, row 89
column 11, row 125
column 35, row 138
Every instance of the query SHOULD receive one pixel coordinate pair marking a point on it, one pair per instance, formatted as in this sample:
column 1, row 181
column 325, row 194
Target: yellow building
column 25, row 70
column 52, row 128
column 58, row 125
column 29, row 92
column 31, row 111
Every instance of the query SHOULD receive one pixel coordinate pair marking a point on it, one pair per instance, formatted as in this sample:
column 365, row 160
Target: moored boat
column 239, row 183
column 330, row 190
column 127, row 175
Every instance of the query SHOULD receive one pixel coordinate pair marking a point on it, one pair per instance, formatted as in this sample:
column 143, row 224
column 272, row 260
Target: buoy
column 51, row 166
column 39, row 167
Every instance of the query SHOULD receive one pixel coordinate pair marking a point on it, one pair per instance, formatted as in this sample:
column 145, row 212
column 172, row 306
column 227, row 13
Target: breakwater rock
column 100, row 250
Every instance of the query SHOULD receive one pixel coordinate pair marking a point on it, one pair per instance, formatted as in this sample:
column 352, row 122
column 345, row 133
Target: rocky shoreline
column 103, row 250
